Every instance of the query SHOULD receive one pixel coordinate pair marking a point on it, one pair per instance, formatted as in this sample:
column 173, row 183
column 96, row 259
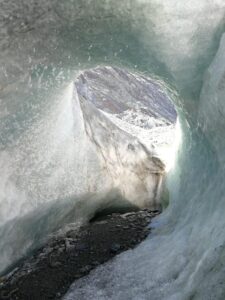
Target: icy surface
column 85, row 153
column 44, row 46
column 109, row 157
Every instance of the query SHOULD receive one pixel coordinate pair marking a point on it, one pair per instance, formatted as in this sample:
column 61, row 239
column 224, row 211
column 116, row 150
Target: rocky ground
column 52, row 269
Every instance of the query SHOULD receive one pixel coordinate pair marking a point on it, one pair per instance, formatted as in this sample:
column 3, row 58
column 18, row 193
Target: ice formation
column 44, row 47
column 118, row 162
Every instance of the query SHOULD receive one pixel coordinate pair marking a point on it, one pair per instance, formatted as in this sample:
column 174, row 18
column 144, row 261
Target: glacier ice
column 44, row 47
column 125, row 169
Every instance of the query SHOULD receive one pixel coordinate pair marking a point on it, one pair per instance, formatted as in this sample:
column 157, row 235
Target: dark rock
column 95, row 263
column 133, row 241
column 126, row 227
column 81, row 247
column 115, row 248
column 85, row 269
column 65, row 258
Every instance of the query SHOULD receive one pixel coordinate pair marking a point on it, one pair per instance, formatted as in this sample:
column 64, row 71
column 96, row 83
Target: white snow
column 159, row 138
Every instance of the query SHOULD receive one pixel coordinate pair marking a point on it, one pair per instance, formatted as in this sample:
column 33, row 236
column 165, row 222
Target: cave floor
column 49, row 272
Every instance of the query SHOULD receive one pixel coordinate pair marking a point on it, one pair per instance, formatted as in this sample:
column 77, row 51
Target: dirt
column 49, row 272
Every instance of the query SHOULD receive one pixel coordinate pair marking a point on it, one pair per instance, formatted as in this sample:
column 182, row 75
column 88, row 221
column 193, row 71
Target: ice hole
column 138, row 105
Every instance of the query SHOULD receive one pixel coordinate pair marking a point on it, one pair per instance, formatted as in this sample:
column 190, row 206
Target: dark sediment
column 52, row 269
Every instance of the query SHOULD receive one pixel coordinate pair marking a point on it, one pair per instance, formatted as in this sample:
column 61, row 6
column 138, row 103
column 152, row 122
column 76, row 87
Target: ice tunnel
column 47, row 164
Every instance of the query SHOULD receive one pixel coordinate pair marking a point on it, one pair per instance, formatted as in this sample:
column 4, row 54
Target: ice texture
column 86, row 157
column 44, row 47
column 76, row 158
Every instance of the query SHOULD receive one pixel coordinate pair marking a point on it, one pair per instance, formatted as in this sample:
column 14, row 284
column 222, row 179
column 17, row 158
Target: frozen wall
column 43, row 44
column 51, row 173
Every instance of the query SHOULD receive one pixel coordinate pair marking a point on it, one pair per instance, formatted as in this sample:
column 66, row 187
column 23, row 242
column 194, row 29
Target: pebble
column 81, row 247
column 115, row 248
column 68, row 246
column 95, row 263
column 85, row 269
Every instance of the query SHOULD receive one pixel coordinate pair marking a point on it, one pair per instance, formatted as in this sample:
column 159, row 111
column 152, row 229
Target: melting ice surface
column 44, row 46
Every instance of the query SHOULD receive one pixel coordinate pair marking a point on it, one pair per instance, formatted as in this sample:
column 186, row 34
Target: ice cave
column 108, row 104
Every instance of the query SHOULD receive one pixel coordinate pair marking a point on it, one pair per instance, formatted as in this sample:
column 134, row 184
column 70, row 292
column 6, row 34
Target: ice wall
column 43, row 44
column 51, row 173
